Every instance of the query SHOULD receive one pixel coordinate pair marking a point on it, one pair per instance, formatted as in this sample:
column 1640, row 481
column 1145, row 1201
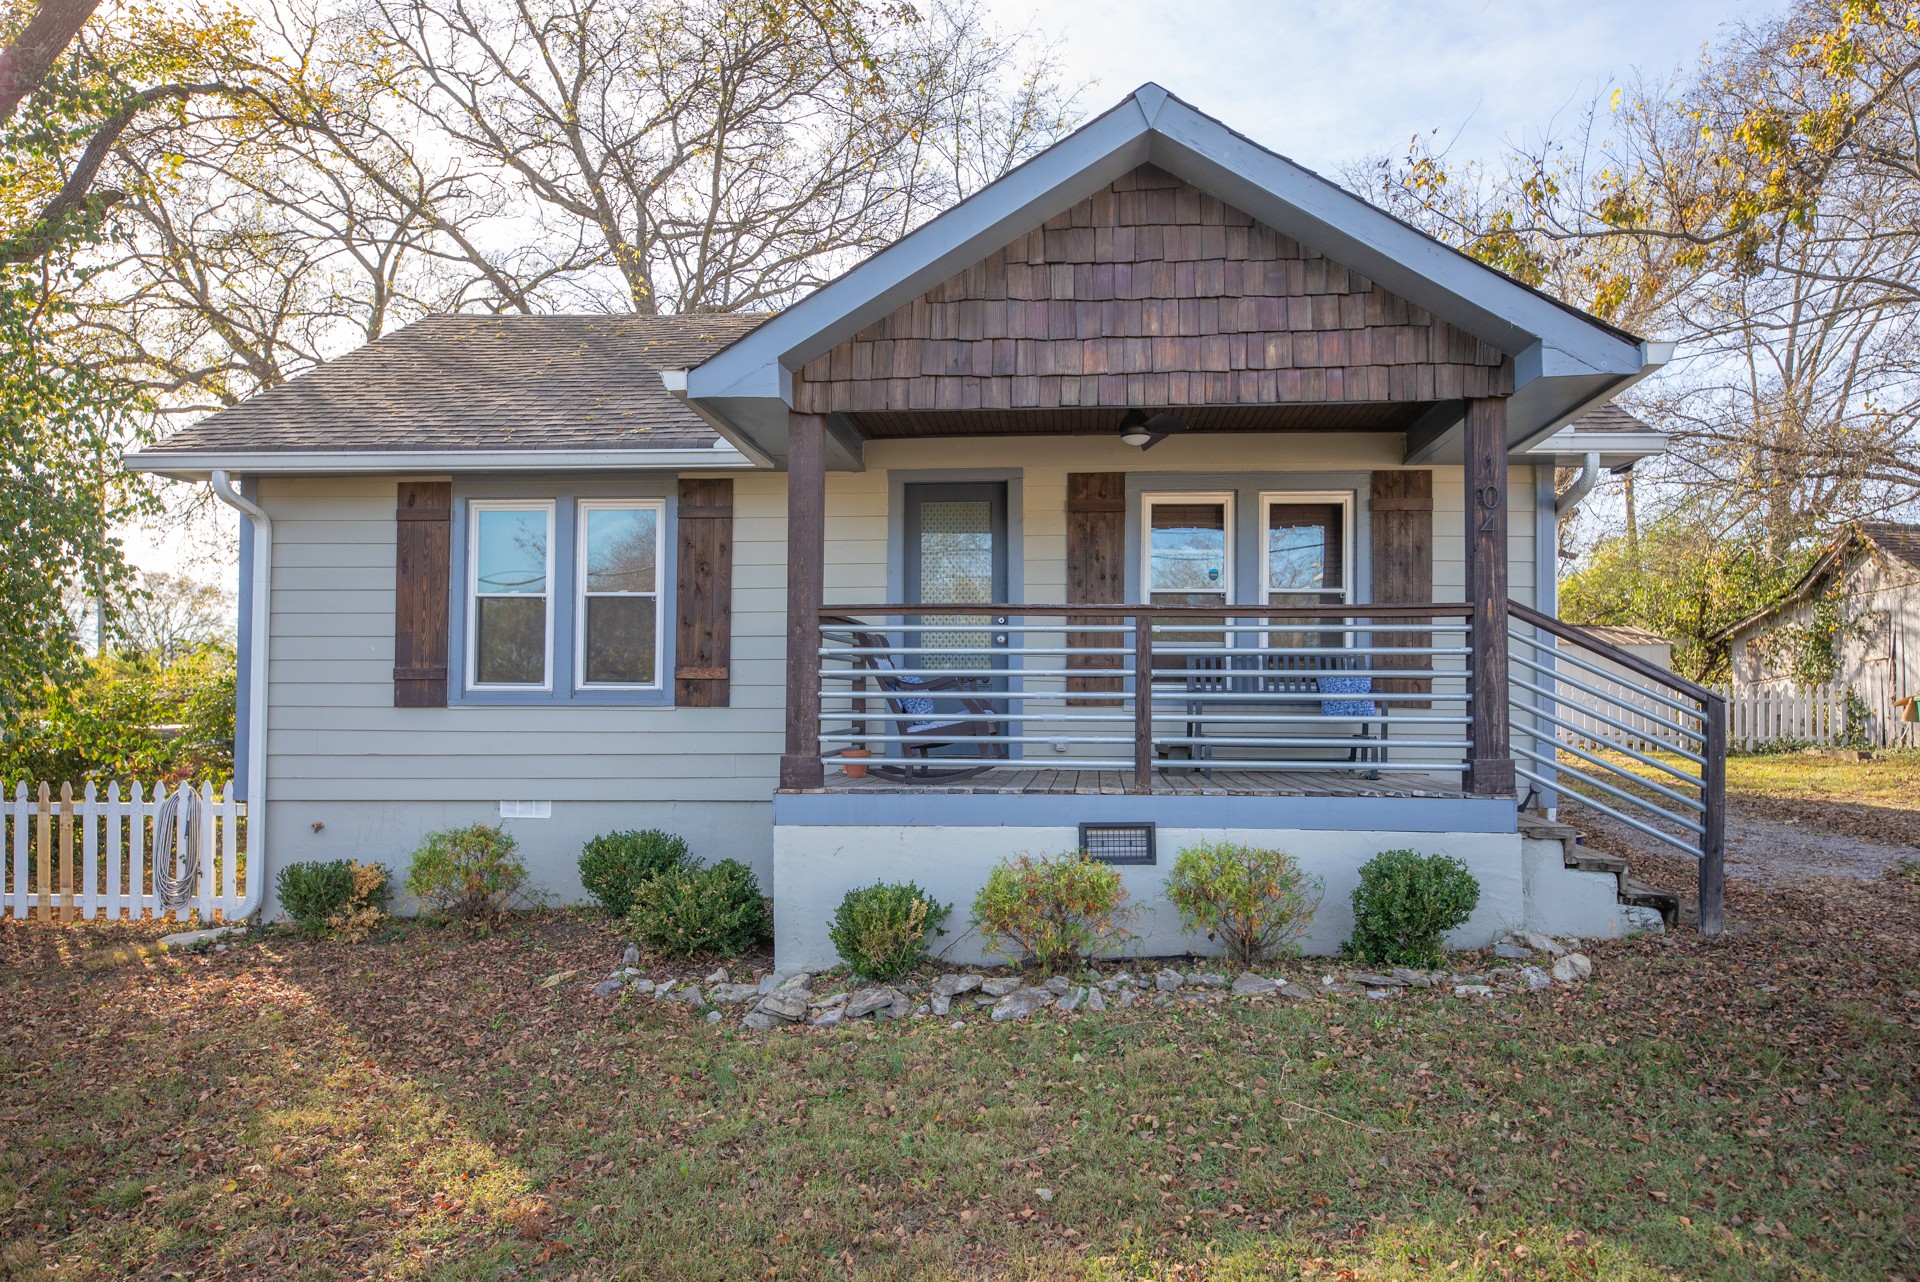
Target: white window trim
column 473, row 594
column 580, row 594
column 1343, row 499
column 1183, row 497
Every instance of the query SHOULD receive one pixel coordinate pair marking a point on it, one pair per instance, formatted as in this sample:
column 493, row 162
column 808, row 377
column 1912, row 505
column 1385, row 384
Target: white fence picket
column 112, row 837
column 1780, row 712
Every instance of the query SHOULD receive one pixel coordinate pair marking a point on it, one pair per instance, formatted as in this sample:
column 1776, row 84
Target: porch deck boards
column 1031, row 781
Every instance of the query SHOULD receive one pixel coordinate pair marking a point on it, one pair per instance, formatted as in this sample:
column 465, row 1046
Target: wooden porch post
column 1490, row 761
column 806, row 593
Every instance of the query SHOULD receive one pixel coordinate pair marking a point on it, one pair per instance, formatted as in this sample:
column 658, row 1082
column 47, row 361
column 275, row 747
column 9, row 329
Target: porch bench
column 1281, row 684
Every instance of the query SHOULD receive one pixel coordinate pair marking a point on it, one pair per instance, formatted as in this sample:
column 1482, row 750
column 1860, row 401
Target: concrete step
column 1586, row 859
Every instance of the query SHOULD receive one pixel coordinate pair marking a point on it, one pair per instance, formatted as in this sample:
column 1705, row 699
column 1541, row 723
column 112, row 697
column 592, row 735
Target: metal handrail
column 1687, row 698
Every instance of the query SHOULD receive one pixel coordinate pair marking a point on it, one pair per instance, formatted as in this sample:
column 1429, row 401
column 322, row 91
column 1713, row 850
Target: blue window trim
column 563, row 493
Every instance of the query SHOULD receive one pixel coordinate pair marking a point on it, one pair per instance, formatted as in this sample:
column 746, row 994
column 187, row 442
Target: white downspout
column 256, row 765
column 1582, row 486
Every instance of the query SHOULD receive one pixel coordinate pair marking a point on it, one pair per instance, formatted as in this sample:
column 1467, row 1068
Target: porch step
column 1632, row 892
column 1641, row 895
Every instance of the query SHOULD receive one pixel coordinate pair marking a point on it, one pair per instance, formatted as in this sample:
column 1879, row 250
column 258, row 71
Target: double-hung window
column 563, row 598
column 1188, row 556
column 617, row 625
column 510, row 598
column 1306, row 557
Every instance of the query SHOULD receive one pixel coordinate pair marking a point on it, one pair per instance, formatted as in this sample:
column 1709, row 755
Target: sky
column 1326, row 82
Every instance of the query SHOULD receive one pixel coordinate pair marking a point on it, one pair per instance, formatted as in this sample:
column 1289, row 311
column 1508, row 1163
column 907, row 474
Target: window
column 1306, row 557
column 1188, row 555
column 510, row 610
column 617, row 624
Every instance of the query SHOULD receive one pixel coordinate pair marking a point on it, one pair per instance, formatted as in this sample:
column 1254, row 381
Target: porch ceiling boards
column 1150, row 293
column 1361, row 416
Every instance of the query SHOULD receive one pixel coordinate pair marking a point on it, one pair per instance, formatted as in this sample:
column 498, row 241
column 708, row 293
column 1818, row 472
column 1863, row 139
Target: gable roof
column 1566, row 362
column 1896, row 540
column 467, row 384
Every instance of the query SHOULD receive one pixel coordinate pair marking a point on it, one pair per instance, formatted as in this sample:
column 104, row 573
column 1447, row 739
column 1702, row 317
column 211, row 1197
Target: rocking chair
column 926, row 724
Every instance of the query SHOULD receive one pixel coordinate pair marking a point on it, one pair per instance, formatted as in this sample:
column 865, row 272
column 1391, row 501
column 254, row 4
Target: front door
column 956, row 554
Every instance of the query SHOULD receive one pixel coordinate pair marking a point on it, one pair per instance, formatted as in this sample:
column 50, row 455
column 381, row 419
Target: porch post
column 806, row 557
column 1490, row 758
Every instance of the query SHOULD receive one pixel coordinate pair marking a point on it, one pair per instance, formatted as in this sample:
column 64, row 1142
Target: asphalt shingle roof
column 1902, row 542
column 1609, row 418
column 485, row 383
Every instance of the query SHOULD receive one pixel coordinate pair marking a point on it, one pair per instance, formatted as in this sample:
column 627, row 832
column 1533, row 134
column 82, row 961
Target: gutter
column 256, row 689
column 1563, row 507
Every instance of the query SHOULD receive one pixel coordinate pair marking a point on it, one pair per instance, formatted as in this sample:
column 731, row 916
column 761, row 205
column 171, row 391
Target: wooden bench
column 1228, row 682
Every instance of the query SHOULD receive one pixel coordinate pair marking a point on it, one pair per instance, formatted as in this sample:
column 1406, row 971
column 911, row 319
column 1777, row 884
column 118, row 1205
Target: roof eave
column 198, row 465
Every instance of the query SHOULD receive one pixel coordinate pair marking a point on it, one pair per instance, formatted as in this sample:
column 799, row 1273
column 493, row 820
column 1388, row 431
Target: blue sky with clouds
column 1325, row 81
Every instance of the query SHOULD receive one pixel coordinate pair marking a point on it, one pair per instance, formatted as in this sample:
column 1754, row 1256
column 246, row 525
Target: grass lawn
column 1738, row 1108
column 1877, row 799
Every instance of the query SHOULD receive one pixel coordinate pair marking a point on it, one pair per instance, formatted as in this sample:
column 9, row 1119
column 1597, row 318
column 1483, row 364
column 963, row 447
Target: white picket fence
column 73, row 858
column 1779, row 712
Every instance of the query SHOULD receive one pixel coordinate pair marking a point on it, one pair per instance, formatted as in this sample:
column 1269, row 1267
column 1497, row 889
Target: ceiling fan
column 1146, row 431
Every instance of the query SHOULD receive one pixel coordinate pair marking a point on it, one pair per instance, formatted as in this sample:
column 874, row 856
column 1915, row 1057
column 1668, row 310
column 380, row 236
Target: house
column 1852, row 621
column 1161, row 489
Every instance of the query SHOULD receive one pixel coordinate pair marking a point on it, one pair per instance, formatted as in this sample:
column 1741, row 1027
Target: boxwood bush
column 717, row 909
column 1405, row 904
column 1053, row 908
column 341, row 897
column 614, row 864
column 881, row 930
column 313, row 890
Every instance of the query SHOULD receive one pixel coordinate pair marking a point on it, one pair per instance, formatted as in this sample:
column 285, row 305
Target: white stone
column 1572, row 968
column 1168, row 980
column 189, row 938
column 1545, row 943
column 1000, row 985
column 720, row 976
column 1021, row 1003
column 1473, row 990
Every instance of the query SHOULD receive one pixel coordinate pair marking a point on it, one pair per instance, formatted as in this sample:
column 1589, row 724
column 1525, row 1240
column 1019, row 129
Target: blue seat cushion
column 1347, row 707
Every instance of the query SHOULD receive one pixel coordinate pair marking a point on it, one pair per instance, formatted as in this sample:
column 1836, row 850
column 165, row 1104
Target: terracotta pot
column 855, row 769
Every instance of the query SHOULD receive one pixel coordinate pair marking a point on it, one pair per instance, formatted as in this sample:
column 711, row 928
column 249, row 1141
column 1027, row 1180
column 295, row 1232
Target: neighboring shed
column 1861, row 597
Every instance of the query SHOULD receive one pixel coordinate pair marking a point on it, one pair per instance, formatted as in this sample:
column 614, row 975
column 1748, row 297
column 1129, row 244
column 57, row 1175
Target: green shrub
column 1255, row 902
column 716, row 909
column 1405, row 903
column 342, row 897
column 614, row 863
column 472, row 872
column 312, row 891
column 1053, row 908
column 881, row 930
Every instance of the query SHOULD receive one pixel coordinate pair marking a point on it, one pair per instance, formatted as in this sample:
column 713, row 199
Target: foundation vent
column 1118, row 843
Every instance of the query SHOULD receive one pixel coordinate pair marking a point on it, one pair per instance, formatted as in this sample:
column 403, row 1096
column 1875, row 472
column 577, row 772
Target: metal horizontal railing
column 1601, row 726
column 926, row 691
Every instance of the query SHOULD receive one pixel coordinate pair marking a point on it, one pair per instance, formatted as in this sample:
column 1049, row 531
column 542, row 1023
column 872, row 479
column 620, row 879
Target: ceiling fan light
column 1136, row 436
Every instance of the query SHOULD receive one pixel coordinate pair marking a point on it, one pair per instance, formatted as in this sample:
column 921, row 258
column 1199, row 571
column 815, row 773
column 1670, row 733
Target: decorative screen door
column 956, row 554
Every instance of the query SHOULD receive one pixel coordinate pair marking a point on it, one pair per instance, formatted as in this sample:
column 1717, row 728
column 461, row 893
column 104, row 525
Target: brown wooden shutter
column 1402, row 565
column 1096, row 572
column 703, row 595
column 423, row 531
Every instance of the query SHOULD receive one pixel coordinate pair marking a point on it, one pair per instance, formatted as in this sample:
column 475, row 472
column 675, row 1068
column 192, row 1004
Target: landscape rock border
column 778, row 1000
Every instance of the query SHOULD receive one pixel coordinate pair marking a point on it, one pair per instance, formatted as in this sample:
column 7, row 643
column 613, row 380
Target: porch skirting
column 821, row 850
